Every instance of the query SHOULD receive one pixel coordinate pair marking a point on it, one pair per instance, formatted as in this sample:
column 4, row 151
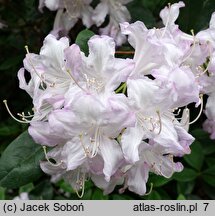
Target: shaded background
column 25, row 25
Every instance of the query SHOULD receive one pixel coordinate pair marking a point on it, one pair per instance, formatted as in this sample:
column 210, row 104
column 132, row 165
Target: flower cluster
column 70, row 11
column 115, row 120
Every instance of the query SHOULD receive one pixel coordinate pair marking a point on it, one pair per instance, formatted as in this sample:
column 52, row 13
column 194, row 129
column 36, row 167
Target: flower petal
column 131, row 139
column 112, row 156
column 137, row 177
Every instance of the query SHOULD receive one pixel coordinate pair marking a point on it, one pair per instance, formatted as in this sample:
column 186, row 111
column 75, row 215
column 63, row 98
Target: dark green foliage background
column 19, row 169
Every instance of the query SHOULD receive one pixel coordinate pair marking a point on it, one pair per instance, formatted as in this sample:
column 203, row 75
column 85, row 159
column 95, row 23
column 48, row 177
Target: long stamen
column 47, row 158
column 206, row 69
column 81, row 183
column 97, row 143
column 150, row 190
column 32, row 65
column 193, row 45
column 70, row 74
column 86, row 150
column 20, row 121
column 200, row 112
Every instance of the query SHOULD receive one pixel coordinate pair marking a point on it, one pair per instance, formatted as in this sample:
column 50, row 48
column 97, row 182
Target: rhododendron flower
column 70, row 11
column 117, row 12
column 116, row 120
column 74, row 10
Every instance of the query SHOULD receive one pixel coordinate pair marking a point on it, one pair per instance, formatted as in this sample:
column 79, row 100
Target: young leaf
column 82, row 40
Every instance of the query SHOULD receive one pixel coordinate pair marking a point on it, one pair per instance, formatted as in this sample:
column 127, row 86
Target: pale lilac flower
column 208, row 35
column 117, row 12
column 110, row 137
column 68, row 13
column 153, row 121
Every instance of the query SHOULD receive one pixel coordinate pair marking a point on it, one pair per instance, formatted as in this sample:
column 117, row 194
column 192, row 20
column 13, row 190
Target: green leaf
column 186, row 175
column 210, row 191
column 181, row 197
column 163, row 193
column 154, row 195
column 87, row 195
column 158, row 181
column 204, row 139
column 185, row 187
column 189, row 14
column 42, row 191
column 196, row 158
column 121, row 197
column 26, row 188
column 19, row 163
column 66, row 187
column 210, row 161
column 141, row 14
column 98, row 195
column 82, row 40
column 209, row 176
column 2, row 193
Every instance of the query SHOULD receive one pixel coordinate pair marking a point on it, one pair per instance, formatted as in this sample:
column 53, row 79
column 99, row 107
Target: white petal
column 52, row 4
column 170, row 14
column 53, row 51
column 73, row 154
column 112, row 155
column 137, row 178
column 131, row 139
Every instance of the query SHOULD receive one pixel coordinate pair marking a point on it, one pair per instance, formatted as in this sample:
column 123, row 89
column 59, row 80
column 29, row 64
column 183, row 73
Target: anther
column 81, row 184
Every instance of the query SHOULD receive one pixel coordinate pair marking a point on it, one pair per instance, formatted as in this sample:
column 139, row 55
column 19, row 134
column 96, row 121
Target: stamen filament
column 193, row 45
column 47, row 158
column 75, row 80
column 150, row 190
column 206, row 69
column 200, row 112
column 20, row 121
column 81, row 182
column 32, row 65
